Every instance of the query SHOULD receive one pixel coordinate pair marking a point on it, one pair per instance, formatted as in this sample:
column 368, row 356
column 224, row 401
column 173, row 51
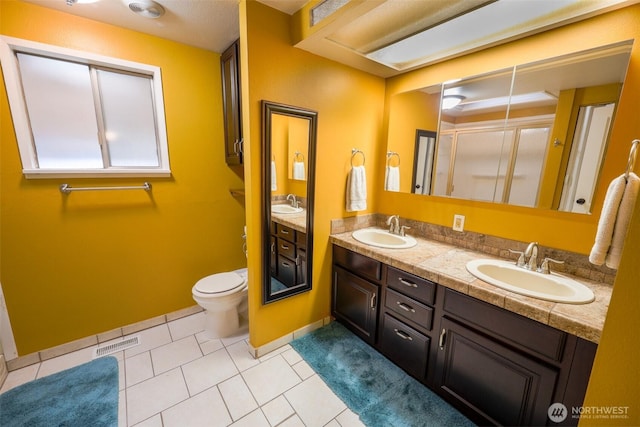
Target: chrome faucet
column 394, row 224
column 292, row 198
column 532, row 253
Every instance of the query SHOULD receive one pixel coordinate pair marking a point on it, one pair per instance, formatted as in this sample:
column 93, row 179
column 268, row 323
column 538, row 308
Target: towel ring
column 355, row 151
column 297, row 155
column 390, row 154
column 632, row 158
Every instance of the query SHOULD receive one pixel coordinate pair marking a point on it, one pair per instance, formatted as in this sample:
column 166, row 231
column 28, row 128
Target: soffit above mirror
column 390, row 37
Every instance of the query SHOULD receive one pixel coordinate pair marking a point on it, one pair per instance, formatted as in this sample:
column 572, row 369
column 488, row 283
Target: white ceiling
column 208, row 24
column 361, row 26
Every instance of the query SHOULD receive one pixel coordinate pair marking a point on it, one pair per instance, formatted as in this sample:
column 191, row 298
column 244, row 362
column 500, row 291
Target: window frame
column 10, row 46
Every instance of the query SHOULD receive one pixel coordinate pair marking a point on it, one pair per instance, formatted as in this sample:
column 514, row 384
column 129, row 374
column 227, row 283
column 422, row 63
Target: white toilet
column 224, row 299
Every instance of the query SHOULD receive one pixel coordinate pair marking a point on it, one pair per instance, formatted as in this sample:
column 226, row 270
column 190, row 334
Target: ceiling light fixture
column 146, row 8
column 451, row 101
column 72, row 2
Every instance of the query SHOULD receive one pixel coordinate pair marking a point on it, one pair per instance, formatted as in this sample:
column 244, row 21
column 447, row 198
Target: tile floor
column 177, row 377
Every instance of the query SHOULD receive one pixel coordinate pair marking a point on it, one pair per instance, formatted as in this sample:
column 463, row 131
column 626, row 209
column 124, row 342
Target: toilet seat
column 221, row 283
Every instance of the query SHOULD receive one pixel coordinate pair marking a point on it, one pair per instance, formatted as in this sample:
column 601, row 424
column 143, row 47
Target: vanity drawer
column 286, row 271
column 359, row 264
column 286, row 232
column 286, row 248
column 301, row 239
column 409, row 309
column 405, row 346
column 416, row 287
column 533, row 336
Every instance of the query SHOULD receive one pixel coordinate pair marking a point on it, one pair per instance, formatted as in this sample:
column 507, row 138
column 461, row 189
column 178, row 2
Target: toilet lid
column 221, row 282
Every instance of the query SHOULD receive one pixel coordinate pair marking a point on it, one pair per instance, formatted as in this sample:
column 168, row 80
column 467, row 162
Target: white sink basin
column 285, row 209
column 383, row 239
column 549, row 287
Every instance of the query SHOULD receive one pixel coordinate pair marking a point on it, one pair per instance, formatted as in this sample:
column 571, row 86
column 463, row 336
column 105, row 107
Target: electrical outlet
column 458, row 222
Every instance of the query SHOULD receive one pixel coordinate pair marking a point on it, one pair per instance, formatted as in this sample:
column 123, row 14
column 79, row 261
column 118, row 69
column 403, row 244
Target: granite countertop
column 297, row 221
column 446, row 264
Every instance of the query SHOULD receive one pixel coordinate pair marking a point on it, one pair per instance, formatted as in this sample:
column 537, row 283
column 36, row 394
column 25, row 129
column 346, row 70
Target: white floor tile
column 19, row 377
column 149, row 339
column 254, row 419
column 294, row 421
column 270, row 379
column 138, row 368
column 314, row 402
column 349, row 418
column 208, row 371
column 189, row 325
column 66, row 361
column 122, row 408
column 155, row 395
column 239, row 352
column 291, row 356
column 122, row 381
column 155, row 421
column 303, row 369
column 241, row 335
column 206, row 409
column 175, row 354
column 277, row 410
column 237, row 396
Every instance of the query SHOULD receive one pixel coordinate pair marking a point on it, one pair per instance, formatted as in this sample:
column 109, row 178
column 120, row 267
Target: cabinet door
column 502, row 386
column 355, row 303
column 229, row 61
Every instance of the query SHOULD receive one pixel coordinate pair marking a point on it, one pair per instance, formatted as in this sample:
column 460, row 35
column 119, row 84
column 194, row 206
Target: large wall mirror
column 288, row 177
column 531, row 135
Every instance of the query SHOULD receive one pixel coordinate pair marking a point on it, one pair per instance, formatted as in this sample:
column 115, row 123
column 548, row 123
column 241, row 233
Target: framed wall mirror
column 532, row 135
column 288, row 182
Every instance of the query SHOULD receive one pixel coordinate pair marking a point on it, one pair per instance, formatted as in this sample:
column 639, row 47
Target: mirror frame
column 269, row 108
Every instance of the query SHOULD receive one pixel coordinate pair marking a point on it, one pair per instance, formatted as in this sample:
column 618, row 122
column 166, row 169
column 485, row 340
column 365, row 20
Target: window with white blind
column 79, row 114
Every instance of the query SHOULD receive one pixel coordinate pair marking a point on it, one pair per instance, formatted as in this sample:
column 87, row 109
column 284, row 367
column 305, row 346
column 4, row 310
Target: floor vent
column 116, row 347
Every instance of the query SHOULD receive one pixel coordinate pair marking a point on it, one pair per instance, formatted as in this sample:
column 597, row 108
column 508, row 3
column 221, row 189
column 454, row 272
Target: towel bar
column 65, row 189
column 355, row 151
column 632, row 158
column 390, row 154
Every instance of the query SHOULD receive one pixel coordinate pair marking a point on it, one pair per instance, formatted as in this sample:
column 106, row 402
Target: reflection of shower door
column 423, row 161
column 587, row 149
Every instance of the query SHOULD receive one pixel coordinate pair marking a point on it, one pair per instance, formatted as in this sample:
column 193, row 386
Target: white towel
column 298, row 171
column 622, row 221
column 392, row 178
column 356, row 189
column 274, row 178
column 614, row 220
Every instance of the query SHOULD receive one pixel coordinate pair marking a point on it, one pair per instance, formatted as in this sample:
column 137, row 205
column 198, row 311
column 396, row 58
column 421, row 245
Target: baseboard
column 3, row 370
column 267, row 348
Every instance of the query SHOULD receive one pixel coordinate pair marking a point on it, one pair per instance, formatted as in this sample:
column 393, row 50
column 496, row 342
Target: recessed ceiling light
column 146, row 8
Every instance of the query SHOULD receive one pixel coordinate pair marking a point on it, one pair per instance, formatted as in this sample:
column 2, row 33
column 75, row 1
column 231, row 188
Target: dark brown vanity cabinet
column 495, row 366
column 407, row 321
column 356, row 290
column 288, row 255
column 231, row 106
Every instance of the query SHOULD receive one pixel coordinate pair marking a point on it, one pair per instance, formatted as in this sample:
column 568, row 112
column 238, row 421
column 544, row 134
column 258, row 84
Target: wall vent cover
column 116, row 347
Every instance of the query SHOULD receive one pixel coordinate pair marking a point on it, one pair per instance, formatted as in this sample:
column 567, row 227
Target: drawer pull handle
column 373, row 301
column 285, row 247
column 405, row 307
column 286, row 264
column 441, row 341
column 403, row 335
column 284, row 231
column 273, row 248
column 406, row 282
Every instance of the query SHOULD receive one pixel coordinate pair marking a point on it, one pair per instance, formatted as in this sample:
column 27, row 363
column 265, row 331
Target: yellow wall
column 349, row 105
column 556, row 229
column 77, row 265
column 411, row 111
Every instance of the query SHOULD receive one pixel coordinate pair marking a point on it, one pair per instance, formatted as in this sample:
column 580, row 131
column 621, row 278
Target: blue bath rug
column 373, row 387
column 86, row 395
